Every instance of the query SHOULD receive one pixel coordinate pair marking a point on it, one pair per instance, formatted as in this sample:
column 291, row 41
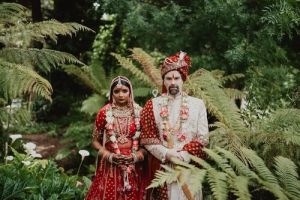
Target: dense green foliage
column 243, row 52
column 28, row 178
column 258, row 38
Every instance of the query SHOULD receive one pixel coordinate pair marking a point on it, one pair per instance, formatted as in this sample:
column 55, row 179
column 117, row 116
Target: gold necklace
column 122, row 112
column 123, row 128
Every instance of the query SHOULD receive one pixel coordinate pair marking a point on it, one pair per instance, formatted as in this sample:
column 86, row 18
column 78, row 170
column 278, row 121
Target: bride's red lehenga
column 109, row 181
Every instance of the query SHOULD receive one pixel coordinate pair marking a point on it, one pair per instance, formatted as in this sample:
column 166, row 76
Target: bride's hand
column 117, row 159
column 128, row 159
column 122, row 159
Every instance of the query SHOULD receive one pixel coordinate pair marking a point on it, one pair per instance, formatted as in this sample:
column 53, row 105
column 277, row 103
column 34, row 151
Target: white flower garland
column 183, row 116
column 111, row 133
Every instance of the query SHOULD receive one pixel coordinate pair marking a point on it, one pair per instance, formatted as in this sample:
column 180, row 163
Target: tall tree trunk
column 36, row 11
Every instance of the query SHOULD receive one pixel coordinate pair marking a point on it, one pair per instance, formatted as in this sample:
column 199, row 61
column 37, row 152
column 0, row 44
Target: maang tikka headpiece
column 119, row 81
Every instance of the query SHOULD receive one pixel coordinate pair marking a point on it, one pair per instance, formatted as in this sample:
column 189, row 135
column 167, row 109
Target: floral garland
column 111, row 133
column 183, row 116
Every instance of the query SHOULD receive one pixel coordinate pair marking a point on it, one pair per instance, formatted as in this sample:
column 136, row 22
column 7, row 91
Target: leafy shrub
column 28, row 178
column 269, row 88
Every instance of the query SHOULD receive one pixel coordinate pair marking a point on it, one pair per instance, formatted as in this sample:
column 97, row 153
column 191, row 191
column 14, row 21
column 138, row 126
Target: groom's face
column 173, row 82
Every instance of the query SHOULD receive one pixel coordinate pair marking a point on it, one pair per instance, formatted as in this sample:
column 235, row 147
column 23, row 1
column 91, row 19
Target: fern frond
column 10, row 13
column 234, row 93
column 44, row 59
column 279, row 138
column 127, row 64
column 201, row 162
column 141, row 91
column 278, row 134
column 15, row 116
column 227, row 139
column 283, row 121
column 148, row 65
column 17, row 80
column 22, row 116
column 83, row 75
column 221, row 162
column 217, row 74
column 218, row 183
column 258, row 164
column 275, row 189
column 161, row 177
column 238, row 165
column 203, row 85
column 99, row 77
column 196, row 179
column 39, row 31
column 232, row 77
column 92, row 104
column 186, row 175
column 286, row 171
column 240, row 187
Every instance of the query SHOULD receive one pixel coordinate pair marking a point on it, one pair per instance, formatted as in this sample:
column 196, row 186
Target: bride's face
column 121, row 95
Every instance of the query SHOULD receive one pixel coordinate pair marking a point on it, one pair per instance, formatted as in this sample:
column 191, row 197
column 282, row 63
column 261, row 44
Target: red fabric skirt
column 108, row 184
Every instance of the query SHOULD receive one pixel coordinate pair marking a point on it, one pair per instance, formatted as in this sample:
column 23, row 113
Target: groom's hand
column 173, row 153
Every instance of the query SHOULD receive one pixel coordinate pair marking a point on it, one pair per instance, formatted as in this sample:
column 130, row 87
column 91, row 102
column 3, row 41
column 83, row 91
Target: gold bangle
column 135, row 158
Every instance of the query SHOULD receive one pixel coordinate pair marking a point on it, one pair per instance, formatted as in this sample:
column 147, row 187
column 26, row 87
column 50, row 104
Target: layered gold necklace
column 117, row 116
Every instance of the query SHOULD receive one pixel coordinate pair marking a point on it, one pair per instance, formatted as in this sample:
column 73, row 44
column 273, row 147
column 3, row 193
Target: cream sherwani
column 194, row 128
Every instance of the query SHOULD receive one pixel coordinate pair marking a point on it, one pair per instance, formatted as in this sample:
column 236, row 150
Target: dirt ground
column 47, row 146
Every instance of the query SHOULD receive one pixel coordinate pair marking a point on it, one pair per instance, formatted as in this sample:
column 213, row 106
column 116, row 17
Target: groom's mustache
column 172, row 87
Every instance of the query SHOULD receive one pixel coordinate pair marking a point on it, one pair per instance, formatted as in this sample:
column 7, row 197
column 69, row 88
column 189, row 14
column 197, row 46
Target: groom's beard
column 173, row 89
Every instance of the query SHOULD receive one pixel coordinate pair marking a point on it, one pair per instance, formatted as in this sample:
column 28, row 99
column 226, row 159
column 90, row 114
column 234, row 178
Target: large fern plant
column 227, row 177
column 97, row 75
column 20, row 62
column 94, row 78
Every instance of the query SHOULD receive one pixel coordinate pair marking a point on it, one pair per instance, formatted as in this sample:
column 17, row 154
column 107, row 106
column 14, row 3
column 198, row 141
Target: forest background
column 55, row 74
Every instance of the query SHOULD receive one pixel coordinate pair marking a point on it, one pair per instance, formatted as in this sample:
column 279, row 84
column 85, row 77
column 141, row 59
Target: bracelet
column 110, row 157
column 135, row 158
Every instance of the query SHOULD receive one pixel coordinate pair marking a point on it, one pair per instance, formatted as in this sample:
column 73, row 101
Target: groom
column 174, row 125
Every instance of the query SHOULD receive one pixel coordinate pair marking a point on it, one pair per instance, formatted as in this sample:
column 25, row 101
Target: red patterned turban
column 180, row 62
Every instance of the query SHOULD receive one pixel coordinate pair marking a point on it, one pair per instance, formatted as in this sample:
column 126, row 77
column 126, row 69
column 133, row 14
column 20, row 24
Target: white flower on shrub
column 26, row 163
column 9, row 158
column 34, row 154
column 84, row 153
column 30, row 150
column 96, row 5
column 105, row 17
column 29, row 146
column 14, row 137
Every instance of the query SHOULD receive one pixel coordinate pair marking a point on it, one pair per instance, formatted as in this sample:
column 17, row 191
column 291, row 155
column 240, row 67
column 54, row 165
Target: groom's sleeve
column 201, row 140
